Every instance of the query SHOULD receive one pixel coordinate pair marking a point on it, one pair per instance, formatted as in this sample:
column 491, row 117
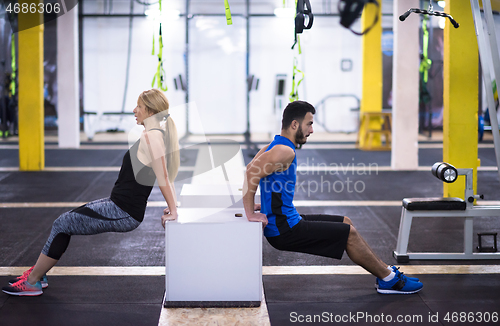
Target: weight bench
column 444, row 207
column 213, row 259
column 106, row 121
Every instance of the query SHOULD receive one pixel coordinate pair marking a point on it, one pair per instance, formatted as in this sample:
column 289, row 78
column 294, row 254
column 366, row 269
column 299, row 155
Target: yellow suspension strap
column 159, row 76
column 153, row 52
column 229, row 20
column 425, row 64
column 294, row 95
column 12, row 87
column 495, row 92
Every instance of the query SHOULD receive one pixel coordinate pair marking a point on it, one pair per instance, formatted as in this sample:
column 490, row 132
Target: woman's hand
column 168, row 216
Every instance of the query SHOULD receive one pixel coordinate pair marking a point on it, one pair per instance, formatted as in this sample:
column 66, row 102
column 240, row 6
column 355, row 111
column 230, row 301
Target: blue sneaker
column 395, row 270
column 23, row 288
column 400, row 284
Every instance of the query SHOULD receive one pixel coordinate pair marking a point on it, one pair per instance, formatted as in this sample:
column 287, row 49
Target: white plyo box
column 213, row 259
column 214, row 196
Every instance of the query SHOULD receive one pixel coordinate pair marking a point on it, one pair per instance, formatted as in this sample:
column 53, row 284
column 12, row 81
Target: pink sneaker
column 23, row 288
column 43, row 280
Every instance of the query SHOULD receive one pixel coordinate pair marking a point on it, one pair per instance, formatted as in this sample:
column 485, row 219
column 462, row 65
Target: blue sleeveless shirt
column 276, row 193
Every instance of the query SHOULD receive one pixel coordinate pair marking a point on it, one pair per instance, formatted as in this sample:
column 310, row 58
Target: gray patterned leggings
column 96, row 217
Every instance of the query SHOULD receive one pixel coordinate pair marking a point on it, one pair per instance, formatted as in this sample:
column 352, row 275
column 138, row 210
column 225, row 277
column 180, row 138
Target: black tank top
column 127, row 193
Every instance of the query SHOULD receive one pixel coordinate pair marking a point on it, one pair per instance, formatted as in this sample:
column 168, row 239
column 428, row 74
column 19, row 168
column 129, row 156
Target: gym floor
column 118, row 279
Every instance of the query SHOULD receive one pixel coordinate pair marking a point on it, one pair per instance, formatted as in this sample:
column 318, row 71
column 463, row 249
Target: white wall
column 105, row 61
column 323, row 48
column 217, row 73
column 105, row 43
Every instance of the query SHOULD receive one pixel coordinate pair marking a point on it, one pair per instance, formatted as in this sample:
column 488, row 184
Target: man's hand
column 167, row 217
column 258, row 217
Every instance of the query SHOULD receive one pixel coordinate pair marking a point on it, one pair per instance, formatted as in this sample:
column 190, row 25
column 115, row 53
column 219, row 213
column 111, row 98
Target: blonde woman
column 154, row 157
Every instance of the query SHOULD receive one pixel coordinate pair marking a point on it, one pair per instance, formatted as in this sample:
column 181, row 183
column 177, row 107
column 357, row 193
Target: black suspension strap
column 350, row 10
column 303, row 10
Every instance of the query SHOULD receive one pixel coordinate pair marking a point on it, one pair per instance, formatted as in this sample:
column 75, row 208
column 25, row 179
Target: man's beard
column 299, row 137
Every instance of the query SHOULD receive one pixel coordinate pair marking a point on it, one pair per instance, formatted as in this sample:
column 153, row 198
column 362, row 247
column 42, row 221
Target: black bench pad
column 434, row 204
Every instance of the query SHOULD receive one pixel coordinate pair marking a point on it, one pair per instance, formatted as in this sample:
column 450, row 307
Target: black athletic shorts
column 322, row 235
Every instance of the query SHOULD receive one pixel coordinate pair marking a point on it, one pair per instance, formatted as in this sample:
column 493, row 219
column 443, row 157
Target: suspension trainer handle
column 405, row 15
column 431, row 13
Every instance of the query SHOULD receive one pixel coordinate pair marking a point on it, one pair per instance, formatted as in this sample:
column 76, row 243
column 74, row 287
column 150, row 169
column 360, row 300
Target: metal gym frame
column 456, row 207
